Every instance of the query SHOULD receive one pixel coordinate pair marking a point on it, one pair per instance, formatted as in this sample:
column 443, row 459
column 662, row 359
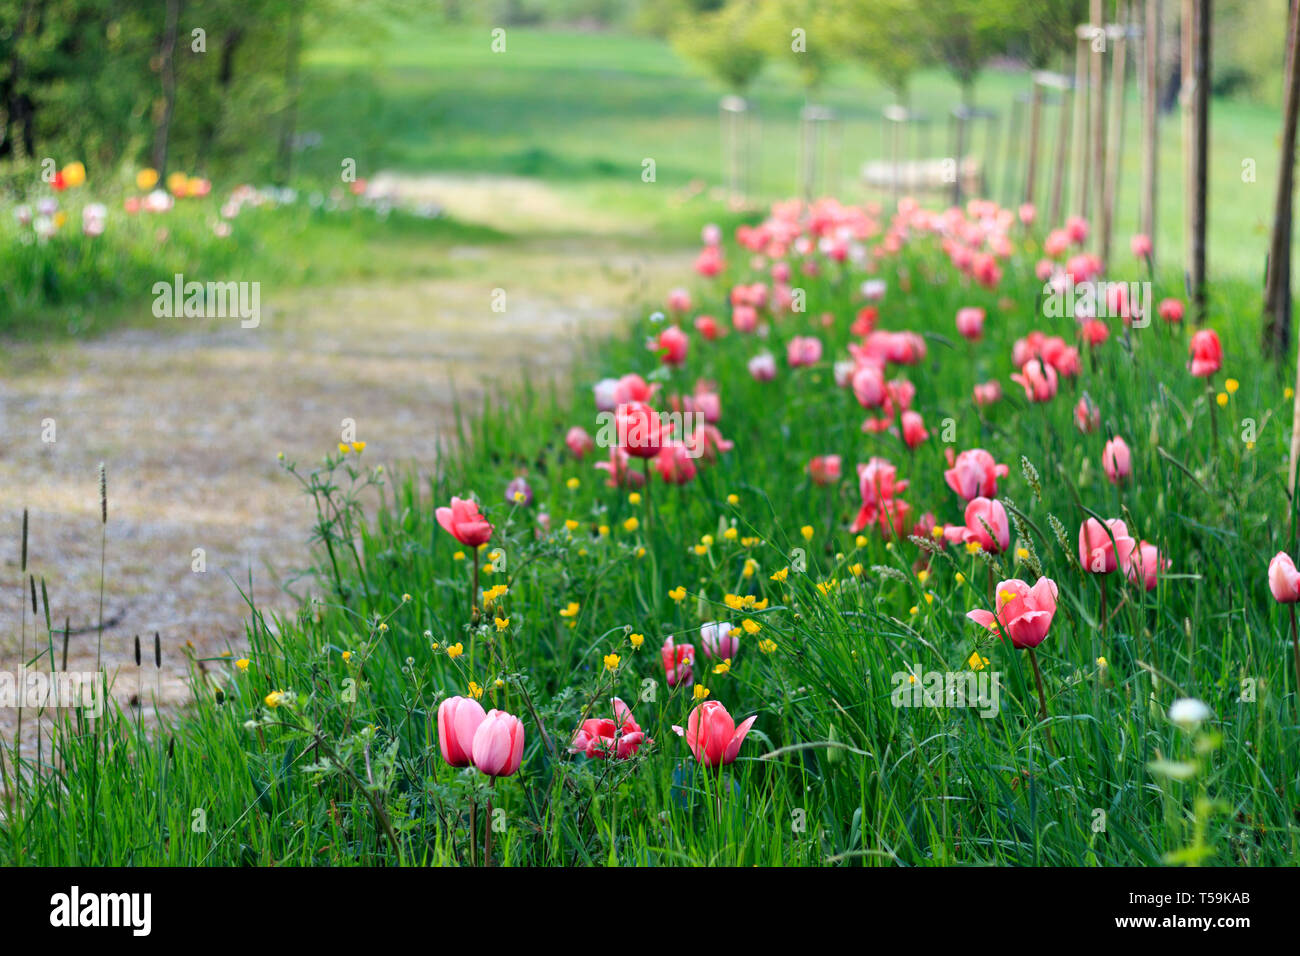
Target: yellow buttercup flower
column 960, row 578
column 474, row 690
column 766, row 645
column 731, row 534
column 603, row 531
column 458, row 556
column 634, row 498
column 750, row 567
column 74, row 174
column 358, row 446
column 733, row 601
column 678, row 594
column 707, row 540
column 455, row 650
column 807, row 532
column 146, row 178
column 344, row 449
column 856, row 570
column 733, row 500
column 636, row 639
column 780, row 575
column 273, row 699
column 631, row 524
column 973, row 547
column 347, row 656
column 700, row 692
column 723, row 668
column 1022, row 553
column 1222, row 399
column 611, row 662
column 701, row 549
column 242, row 664
column 571, row 524
column 502, row 623
column 976, row 662
column 571, row 609
column 1231, row 385
column 572, row 484
column 860, row 541
column 751, row 626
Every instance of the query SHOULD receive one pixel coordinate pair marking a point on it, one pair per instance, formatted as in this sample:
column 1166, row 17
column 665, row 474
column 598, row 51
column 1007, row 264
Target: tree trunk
column 1150, row 119
column 1277, row 288
column 163, row 125
column 284, row 168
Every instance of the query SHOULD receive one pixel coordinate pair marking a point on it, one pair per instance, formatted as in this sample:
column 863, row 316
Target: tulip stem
column 1038, row 680
column 649, row 497
column 473, row 592
column 1102, row 579
column 1214, row 419
column 487, row 825
column 473, row 830
column 1295, row 649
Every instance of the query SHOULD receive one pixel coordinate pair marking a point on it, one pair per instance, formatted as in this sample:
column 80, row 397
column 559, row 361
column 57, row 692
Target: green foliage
column 728, row 42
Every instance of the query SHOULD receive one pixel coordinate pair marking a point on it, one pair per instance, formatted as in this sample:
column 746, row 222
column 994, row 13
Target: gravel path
column 188, row 421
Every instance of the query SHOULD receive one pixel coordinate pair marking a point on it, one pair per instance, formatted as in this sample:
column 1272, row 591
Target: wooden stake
column 1062, row 151
column 1150, row 120
column 1117, row 40
column 1201, row 169
column 1187, row 29
column 1277, row 288
column 1082, row 169
column 1035, row 125
column 1096, row 20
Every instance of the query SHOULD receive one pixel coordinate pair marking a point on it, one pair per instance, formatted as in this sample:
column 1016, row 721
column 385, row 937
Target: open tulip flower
column 712, row 735
column 1024, row 613
column 465, row 523
column 602, row 737
column 1104, row 547
column 1284, row 582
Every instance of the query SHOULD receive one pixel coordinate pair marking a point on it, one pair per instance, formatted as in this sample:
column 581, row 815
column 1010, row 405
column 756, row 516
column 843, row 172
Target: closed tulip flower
column 1206, row 352
column 458, row 720
column 1098, row 553
column 763, row 367
column 975, row 474
column 1145, row 564
column 578, row 442
column 499, row 744
column 1117, row 460
column 721, row 641
column 464, row 522
column 1038, row 379
column 985, row 515
column 1024, row 613
column 679, row 663
column 825, row 469
column 1283, row 579
column 803, row 350
column 970, row 323
column 914, row 432
column 712, row 735
column 640, row 432
column 672, row 345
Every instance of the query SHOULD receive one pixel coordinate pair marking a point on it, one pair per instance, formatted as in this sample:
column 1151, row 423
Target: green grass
column 349, row 771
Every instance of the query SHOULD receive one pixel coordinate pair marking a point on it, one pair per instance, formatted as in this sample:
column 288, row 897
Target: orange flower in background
column 146, row 179
column 74, row 175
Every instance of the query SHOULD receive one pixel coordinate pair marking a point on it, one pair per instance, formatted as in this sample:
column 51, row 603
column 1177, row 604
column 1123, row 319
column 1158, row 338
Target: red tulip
column 804, row 350
column 824, row 469
column 458, row 719
column 712, row 735
column 499, row 744
column 673, row 344
column 601, row 737
column 464, row 522
column 1038, row 380
column 1207, row 354
column 640, row 432
column 1171, row 310
column 988, row 393
column 1024, row 613
column 674, row 463
column 913, row 429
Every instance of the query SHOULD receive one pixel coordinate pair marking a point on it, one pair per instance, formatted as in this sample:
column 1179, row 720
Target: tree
column 727, row 42
column 887, row 37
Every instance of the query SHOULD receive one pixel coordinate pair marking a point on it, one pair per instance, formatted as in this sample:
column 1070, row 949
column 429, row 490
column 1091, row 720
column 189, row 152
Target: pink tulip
column 620, row 474
column 1171, row 310
column 633, row 388
column 869, row 386
column 1038, row 380
column 987, row 393
column 578, row 442
column 804, row 350
column 744, row 318
column 458, row 719
column 1206, row 352
column 600, row 737
column 708, row 327
column 1087, row 417
column 913, row 429
column 679, row 663
column 824, row 469
column 1284, row 579
column 1098, row 553
column 640, row 433
column 1141, row 245
column 1024, row 613
column 673, row 343
column 464, row 522
column 1027, row 213
column 763, row 367
column 970, row 323
column 499, row 744
column 679, row 300
column 712, row 735
column 975, row 475
column 1145, row 564
column 1117, row 460
column 982, row 516
column 675, row 464
column 721, row 641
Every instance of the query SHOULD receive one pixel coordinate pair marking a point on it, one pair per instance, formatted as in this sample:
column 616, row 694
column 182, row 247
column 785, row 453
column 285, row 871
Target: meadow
column 805, row 548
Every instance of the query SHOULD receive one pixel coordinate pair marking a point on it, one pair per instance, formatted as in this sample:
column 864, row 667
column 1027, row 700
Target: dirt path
column 189, row 423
